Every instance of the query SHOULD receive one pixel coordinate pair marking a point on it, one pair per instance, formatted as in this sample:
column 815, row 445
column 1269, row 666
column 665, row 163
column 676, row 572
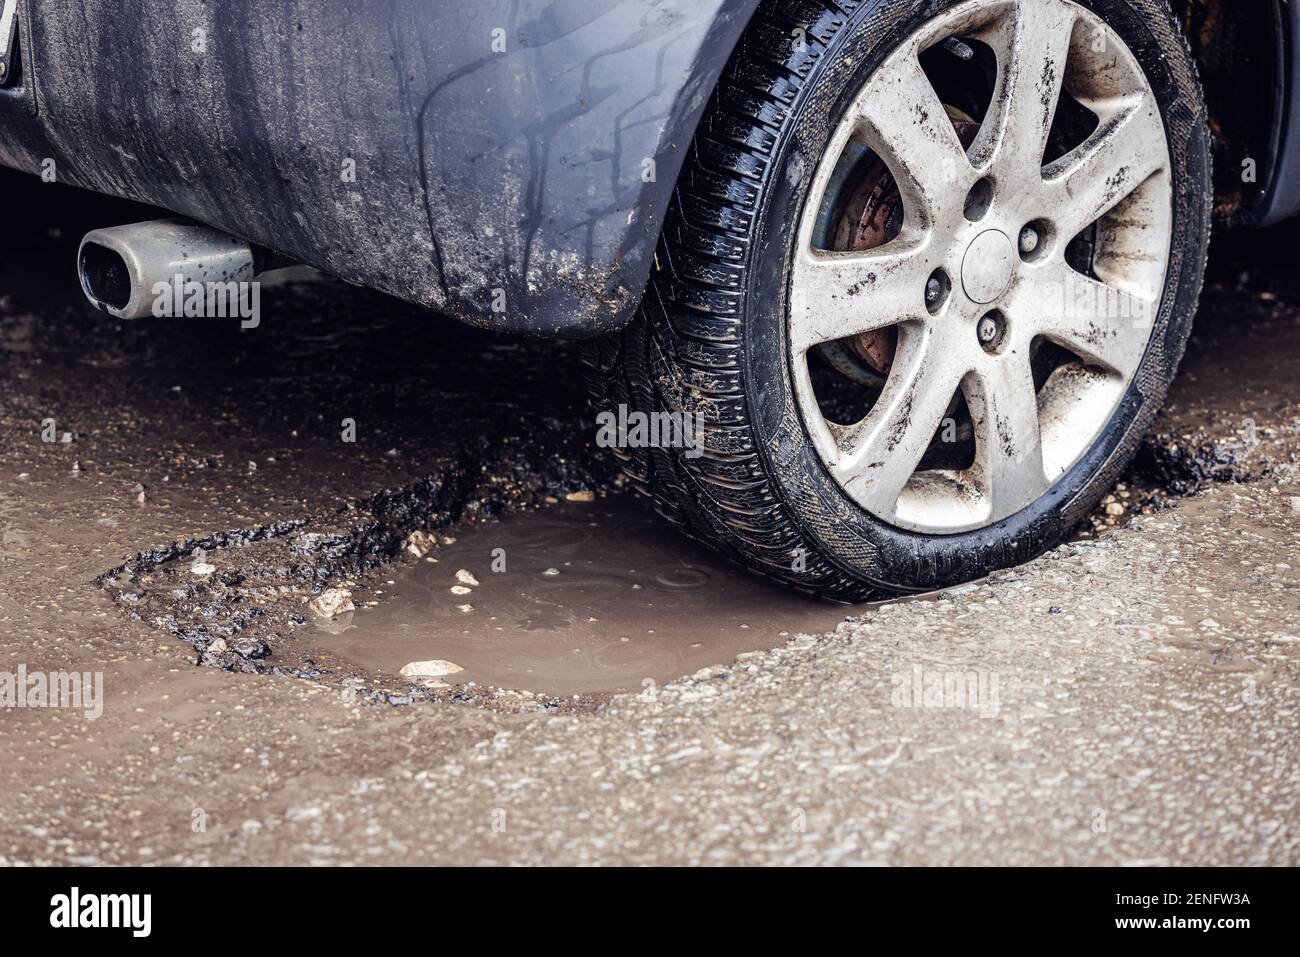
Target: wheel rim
column 984, row 269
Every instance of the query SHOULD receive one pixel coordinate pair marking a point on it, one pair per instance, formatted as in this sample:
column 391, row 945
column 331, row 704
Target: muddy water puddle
column 575, row 599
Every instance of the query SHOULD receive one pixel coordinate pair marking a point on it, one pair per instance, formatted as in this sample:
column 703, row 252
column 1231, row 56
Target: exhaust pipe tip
column 105, row 277
column 120, row 267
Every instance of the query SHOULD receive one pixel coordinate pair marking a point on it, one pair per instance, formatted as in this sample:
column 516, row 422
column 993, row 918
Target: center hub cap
column 986, row 270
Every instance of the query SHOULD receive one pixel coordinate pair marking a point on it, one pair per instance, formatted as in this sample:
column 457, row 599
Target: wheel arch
column 1249, row 60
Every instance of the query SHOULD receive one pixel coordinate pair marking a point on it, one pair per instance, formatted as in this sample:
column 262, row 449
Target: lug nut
column 936, row 291
column 987, row 330
column 1028, row 241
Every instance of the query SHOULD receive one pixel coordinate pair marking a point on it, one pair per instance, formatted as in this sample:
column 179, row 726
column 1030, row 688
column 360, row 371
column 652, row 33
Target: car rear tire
column 927, row 275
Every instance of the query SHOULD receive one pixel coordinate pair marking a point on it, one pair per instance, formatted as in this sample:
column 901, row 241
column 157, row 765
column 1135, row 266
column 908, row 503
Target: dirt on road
column 174, row 495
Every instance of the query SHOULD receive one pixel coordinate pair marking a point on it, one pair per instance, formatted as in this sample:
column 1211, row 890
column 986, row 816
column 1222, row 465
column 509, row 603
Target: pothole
column 574, row 600
column 238, row 597
column 565, row 605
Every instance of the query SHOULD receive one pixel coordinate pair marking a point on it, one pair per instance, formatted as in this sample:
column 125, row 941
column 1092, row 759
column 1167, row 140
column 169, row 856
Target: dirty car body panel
column 504, row 161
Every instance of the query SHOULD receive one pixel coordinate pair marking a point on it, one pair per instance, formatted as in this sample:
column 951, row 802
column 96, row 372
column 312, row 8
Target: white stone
column 430, row 669
column 332, row 602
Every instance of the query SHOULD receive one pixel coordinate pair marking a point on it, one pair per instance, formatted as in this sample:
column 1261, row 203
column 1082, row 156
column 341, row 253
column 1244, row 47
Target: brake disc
column 872, row 216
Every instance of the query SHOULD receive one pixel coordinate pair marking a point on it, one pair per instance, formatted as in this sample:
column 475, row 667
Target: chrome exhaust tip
column 125, row 269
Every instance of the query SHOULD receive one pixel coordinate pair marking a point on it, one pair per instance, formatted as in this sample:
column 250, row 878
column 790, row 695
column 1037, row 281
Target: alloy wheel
column 1016, row 284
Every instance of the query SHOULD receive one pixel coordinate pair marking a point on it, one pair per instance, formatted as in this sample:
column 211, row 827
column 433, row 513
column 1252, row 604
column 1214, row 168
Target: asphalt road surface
column 1129, row 698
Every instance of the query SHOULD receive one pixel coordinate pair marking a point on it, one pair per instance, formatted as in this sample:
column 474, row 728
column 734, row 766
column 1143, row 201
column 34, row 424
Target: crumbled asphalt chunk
column 252, row 648
column 153, row 558
column 1170, row 464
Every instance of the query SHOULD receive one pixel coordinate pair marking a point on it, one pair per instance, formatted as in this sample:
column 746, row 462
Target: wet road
column 1132, row 697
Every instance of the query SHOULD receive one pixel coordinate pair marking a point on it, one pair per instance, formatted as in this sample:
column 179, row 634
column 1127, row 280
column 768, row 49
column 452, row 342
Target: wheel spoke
column 1032, row 48
column 1103, row 324
column 880, row 453
column 1009, row 451
column 839, row 294
column 1122, row 154
column 903, row 121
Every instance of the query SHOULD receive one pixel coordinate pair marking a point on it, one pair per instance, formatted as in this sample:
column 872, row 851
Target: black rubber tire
column 709, row 337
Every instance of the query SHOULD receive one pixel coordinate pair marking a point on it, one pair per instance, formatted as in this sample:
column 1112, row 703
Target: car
column 903, row 281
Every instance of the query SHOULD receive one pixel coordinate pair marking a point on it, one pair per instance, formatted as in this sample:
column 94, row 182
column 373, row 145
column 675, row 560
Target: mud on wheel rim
column 1019, row 290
